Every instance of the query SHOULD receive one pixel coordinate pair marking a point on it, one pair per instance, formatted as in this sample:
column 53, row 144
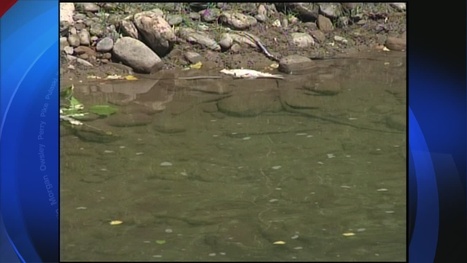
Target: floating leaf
column 160, row 242
column 115, row 222
column 198, row 65
column 75, row 104
column 102, row 110
column 130, row 77
column 67, row 92
column 279, row 242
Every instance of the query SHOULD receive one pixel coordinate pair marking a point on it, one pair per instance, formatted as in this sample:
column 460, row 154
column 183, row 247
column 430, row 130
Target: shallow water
column 251, row 170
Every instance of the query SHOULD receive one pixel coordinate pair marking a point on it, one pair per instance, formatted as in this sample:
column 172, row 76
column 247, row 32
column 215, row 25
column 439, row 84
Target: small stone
column 73, row 40
column 73, row 31
column 193, row 57
column 68, row 50
column 84, row 37
column 318, row 35
column 236, row 48
column 105, row 45
column 107, row 55
column 262, row 10
column 226, row 41
column 237, row 20
column 194, row 16
column 277, row 167
column 174, row 20
column 85, row 50
column 166, row 164
column 325, row 24
column 63, row 43
column 210, row 15
column 294, row 64
column 88, row 7
column 79, row 16
column 310, row 25
column 399, row 6
column 66, row 12
column 302, row 40
column 330, row 10
column 396, row 44
column 84, row 62
column 340, row 39
column 97, row 29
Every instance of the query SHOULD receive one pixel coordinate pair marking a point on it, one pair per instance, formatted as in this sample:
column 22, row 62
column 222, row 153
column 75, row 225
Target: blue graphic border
column 29, row 132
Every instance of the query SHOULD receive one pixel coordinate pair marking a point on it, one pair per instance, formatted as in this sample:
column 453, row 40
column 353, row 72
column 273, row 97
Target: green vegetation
column 72, row 112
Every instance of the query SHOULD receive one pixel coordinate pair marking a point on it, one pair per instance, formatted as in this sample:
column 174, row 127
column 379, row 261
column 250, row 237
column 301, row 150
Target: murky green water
column 253, row 170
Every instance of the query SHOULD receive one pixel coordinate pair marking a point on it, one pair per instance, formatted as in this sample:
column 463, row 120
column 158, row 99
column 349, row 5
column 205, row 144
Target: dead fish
column 249, row 74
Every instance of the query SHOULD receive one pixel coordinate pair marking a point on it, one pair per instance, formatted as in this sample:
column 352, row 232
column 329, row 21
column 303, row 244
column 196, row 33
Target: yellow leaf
column 130, row 77
column 279, row 243
column 349, row 234
column 197, row 65
column 116, row 222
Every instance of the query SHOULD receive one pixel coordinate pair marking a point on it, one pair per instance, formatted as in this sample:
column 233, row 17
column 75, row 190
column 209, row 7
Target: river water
column 309, row 168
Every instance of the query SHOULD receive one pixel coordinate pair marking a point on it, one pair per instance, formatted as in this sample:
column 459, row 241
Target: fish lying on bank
column 249, row 74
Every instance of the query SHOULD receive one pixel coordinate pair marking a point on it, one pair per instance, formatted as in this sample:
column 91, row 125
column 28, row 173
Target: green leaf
column 71, row 111
column 67, row 92
column 102, row 110
column 160, row 242
column 75, row 104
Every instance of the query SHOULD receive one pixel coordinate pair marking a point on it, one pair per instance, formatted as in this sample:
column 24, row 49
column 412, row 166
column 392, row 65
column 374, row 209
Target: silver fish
column 249, row 74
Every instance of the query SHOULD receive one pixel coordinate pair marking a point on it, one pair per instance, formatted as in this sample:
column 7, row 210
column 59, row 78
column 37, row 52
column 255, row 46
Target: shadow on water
column 310, row 168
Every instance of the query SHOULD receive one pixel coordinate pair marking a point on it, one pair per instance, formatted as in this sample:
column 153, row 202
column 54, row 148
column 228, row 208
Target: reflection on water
column 310, row 168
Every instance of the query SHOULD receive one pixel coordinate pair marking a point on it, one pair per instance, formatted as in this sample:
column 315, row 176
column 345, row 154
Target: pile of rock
column 90, row 35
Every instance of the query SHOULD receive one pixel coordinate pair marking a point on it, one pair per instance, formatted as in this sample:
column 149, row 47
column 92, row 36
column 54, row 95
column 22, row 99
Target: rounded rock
column 136, row 54
column 73, row 40
column 295, row 63
column 105, row 45
column 84, row 37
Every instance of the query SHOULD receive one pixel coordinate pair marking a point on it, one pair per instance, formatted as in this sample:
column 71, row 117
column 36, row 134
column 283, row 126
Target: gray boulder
column 137, row 55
